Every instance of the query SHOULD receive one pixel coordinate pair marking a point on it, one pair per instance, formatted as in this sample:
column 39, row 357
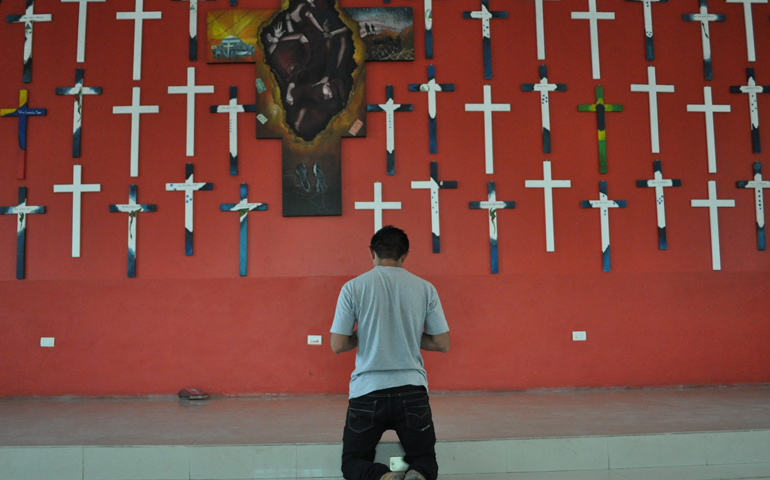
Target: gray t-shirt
column 392, row 307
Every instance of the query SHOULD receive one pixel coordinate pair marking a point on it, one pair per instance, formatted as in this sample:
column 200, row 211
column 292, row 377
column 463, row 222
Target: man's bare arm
column 435, row 343
column 343, row 343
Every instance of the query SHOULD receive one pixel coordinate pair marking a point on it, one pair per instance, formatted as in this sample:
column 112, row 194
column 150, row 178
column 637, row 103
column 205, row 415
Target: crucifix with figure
column 77, row 116
column 485, row 15
column 545, row 107
column 22, row 112
column 704, row 17
column 652, row 89
column 21, row 211
column 29, row 18
column 132, row 209
column 243, row 208
column 603, row 204
column 751, row 89
column 659, row 183
column 389, row 107
column 492, row 205
column 487, row 108
column 601, row 108
column 758, row 185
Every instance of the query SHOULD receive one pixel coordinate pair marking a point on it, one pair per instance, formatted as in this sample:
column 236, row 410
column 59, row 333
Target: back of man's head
column 390, row 242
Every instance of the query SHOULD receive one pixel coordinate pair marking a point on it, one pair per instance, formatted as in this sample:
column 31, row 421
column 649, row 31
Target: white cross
column 135, row 110
column 431, row 88
column 659, row 183
column 378, row 206
column 28, row 19
column 539, row 26
column 193, row 29
column 82, row 16
column 190, row 90
column 188, row 187
column 138, row 16
column 389, row 108
column 647, row 4
column 603, row 204
column 713, row 204
column 704, row 17
column 592, row 16
column 749, row 22
column 709, row 109
column 485, row 17
column 488, row 107
column 233, row 108
column 76, row 189
column 547, row 184
column 752, row 89
column 653, row 89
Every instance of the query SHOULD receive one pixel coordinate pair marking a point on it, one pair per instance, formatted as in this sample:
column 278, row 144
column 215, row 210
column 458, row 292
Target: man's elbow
column 442, row 342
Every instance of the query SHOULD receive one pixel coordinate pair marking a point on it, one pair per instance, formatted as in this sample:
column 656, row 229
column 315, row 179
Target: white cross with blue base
column 28, row 19
column 758, row 184
column 492, row 205
column 188, row 187
column 233, row 109
column 603, row 204
column 704, row 17
column 545, row 111
column 243, row 208
column 21, row 211
column 132, row 209
column 752, row 89
column 77, row 117
column 431, row 88
column 485, row 15
column 193, row 29
column 649, row 46
column 434, row 185
column 659, row 183
column 389, row 107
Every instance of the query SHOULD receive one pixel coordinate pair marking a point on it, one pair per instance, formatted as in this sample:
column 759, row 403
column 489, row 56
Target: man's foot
column 413, row 475
column 393, row 476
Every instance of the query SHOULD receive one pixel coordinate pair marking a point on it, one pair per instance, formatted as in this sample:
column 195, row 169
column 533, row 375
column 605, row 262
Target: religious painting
column 232, row 36
column 388, row 32
column 311, row 84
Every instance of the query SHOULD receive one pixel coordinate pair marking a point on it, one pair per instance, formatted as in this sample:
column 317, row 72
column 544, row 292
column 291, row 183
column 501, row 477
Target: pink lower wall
column 659, row 318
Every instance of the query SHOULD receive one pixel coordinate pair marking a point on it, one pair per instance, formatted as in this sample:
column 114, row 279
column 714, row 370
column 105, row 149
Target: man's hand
column 343, row 343
column 435, row 343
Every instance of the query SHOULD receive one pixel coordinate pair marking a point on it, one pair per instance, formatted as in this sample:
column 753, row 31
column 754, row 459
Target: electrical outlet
column 397, row 464
column 578, row 336
column 314, row 340
column 47, row 342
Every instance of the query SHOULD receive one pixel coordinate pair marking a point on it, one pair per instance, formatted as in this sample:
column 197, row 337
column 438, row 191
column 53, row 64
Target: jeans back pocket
column 418, row 415
column 361, row 415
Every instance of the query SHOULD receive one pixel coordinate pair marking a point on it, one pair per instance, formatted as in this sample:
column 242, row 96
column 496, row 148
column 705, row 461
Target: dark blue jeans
column 403, row 409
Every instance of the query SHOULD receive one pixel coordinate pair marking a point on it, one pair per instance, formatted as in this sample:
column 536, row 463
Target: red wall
column 659, row 318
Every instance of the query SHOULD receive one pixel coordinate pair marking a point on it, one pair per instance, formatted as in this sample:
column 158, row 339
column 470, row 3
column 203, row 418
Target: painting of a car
column 232, row 48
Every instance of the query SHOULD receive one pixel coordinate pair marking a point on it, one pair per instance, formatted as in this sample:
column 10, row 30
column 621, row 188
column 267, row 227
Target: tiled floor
column 320, row 419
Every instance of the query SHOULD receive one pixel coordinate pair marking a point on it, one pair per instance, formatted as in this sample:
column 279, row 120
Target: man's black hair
column 390, row 242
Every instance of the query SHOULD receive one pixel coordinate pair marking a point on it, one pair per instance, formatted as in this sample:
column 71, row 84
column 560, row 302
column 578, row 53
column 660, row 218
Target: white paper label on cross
column 191, row 90
column 652, row 88
column 592, row 15
column 135, row 110
column 487, row 108
column 138, row 16
column 76, row 189
column 82, row 17
column 548, row 184
column 378, row 206
column 708, row 108
column 713, row 203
